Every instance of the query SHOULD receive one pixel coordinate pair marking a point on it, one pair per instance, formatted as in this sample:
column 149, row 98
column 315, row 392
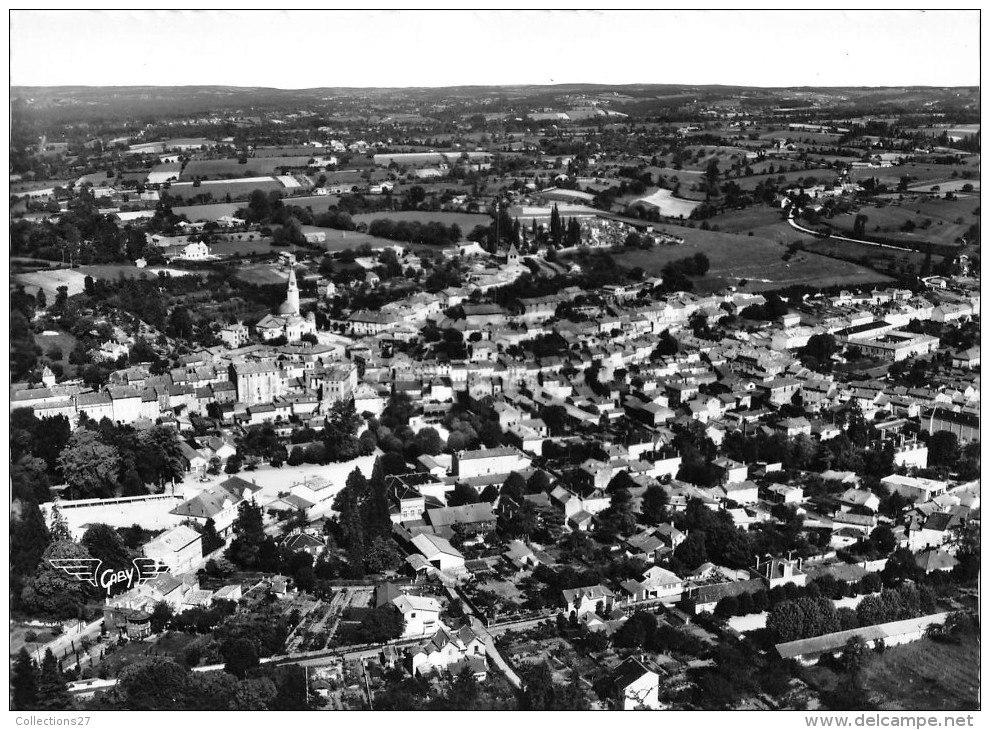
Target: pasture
column 926, row 675
column 950, row 219
column 466, row 221
column 758, row 259
column 231, row 168
column 220, row 189
column 341, row 240
column 261, row 274
column 213, row 211
column 258, row 244
column 922, row 175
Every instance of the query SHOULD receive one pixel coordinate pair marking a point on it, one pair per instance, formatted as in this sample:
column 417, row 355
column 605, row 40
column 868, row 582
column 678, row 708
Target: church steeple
column 292, row 294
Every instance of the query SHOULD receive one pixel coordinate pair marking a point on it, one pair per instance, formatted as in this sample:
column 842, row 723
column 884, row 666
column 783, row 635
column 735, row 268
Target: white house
column 580, row 601
column 636, row 687
column 420, row 614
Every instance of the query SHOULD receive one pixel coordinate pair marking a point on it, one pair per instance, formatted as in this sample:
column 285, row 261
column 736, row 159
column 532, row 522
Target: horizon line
column 496, row 86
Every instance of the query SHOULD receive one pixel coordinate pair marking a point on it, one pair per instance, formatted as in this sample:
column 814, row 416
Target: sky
column 307, row 49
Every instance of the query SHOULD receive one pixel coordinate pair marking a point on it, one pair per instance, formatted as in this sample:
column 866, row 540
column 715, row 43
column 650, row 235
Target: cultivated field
column 666, row 203
column 213, row 211
column 754, row 258
column 926, row 675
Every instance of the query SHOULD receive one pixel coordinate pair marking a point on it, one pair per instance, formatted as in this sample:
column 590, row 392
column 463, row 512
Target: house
column 218, row 503
column 934, row 559
column 656, row 583
column 635, row 686
column 305, row 542
column 469, row 519
column 579, row 601
column 486, row 462
column 449, row 650
column 785, row 494
column 729, row 470
column 420, row 614
column 967, row 359
column 439, row 552
column 744, row 492
column 704, row 598
column 180, row 548
column 859, row 500
column 777, row 572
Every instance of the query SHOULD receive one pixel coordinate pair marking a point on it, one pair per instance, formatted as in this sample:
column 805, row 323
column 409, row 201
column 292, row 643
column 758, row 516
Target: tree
column 654, row 506
column 161, row 615
column 90, row 467
column 105, row 543
column 943, row 449
column 240, row 655
column 25, row 682
column 51, row 592
column 883, row 539
column 234, row 464
column 249, row 535
column 692, row 552
column 29, row 537
column 380, row 625
column 53, row 692
column 428, row 441
column 854, row 654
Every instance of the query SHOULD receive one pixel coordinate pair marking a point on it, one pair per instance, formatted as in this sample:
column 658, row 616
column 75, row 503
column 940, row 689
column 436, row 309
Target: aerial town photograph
column 560, row 360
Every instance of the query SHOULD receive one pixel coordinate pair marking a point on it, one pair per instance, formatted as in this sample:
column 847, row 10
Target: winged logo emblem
column 91, row 570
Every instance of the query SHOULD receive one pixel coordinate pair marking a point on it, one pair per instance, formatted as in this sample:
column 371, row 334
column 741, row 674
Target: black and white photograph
column 495, row 360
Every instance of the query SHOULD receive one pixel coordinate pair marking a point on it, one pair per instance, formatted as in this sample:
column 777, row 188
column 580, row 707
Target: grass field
column 261, row 274
column 926, row 675
column 254, row 167
column 921, row 174
column 212, row 211
column 467, row 221
column 754, row 258
column 242, row 248
column 341, row 240
column 220, row 189
column 950, row 219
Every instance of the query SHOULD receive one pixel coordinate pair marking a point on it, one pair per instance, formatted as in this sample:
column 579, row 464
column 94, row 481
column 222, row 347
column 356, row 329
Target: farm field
column 213, row 211
column 51, row 279
column 254, row 167
column 926, row 675
column 221, row 188
column 921, row 174
column 756, row 259
column 666, row 203
column 261, row 274
column 749, row 219
column 245, row 247
column 164, row 172
column 950, row 220
column 341, row 240
column 467, row 221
